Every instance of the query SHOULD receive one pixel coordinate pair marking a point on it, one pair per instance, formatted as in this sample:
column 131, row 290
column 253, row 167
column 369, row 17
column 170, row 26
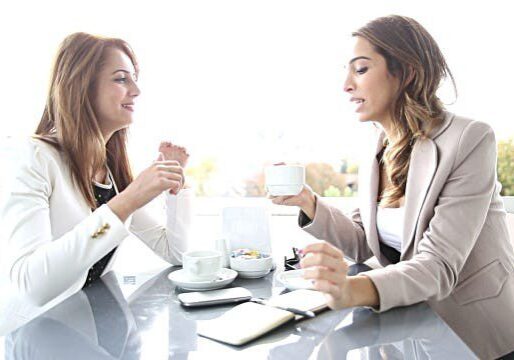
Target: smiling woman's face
column 369, row 84
column 115, row 93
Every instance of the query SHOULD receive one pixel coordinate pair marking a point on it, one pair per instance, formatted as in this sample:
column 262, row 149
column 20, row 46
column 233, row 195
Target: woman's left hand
column 325, row 265
column 174, row 152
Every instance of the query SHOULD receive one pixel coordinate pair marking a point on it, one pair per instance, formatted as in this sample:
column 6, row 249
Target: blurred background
column 243, row 84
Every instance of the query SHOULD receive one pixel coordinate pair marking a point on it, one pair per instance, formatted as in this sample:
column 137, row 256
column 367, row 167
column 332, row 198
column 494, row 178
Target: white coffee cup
column 202, row 265
column 508, row 202
column 282, row 180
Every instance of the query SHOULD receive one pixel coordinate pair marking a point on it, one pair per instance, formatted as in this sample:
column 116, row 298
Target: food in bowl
column 251, row 263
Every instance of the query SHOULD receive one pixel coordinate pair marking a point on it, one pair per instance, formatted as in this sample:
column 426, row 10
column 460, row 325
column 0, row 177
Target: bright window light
column 243, row 84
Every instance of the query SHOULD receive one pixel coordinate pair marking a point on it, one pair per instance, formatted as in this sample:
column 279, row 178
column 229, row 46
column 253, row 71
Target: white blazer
column 50, row 238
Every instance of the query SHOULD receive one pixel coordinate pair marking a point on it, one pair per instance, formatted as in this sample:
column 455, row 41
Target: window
column 246, row 84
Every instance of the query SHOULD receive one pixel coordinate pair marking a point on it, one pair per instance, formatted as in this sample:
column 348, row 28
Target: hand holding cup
column 325, row 265
column 286, row 186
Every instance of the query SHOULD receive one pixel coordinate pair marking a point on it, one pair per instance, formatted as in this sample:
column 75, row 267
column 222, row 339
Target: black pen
column 307, row 313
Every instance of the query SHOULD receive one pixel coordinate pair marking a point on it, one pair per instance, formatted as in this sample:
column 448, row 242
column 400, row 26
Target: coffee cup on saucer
column 202, row 265
column 282, row 180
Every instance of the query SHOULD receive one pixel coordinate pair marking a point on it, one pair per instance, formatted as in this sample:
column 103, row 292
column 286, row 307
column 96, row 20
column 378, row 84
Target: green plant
column 323, row 179
column 201, row 175
column 348, row 192
column 506, row 166
column 332, row 191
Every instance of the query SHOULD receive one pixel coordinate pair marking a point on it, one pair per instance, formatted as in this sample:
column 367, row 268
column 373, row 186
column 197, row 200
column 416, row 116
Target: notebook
column 248, row 321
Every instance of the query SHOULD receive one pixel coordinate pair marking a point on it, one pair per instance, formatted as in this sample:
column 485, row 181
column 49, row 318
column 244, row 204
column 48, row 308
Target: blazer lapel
column 423, row 164
column 368, row 200
column 422, row 168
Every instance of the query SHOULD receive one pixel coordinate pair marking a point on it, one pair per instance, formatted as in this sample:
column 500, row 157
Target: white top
column 108, row 182
column 390, row 226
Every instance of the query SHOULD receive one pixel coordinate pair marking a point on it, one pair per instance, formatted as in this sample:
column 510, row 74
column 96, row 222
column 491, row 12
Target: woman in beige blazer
column 438, row 172
column 72, row 198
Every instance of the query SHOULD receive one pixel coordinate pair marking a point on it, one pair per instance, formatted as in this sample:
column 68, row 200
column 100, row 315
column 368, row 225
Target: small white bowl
column 252, row 274
column 261, row 266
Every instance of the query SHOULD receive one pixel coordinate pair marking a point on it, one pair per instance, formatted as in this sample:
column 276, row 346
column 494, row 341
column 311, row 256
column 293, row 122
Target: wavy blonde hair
column 413, row 56
column 69, row 122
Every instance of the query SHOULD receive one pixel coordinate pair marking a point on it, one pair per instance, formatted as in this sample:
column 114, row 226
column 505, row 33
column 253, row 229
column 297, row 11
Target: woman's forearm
column 309, row 206
column 122, row 206
column 363, row 291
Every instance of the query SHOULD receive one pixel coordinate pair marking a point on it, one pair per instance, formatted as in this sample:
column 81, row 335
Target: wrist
column 309, row 206
column 129, row 201
column 362, row 291
column 122, row 205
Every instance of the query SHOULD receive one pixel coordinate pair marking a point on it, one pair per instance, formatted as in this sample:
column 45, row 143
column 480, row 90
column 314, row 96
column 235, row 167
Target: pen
column 306, row 313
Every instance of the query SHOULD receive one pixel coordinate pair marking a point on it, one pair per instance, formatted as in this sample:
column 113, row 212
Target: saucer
column 180, row 279
column 253, row 274
column 293, row 280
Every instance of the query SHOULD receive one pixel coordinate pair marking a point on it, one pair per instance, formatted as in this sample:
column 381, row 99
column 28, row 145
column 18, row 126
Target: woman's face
column 371, row 87
column 116, row 91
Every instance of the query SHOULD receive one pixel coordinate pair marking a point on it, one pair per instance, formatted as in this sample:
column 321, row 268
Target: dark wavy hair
column 412, row 56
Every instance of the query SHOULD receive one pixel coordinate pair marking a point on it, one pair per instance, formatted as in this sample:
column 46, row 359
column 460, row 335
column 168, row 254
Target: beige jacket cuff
column 316, row 226
column 386, row 293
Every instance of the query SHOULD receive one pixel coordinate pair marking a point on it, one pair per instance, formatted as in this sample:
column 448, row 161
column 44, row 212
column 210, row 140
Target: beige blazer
column 456, row 254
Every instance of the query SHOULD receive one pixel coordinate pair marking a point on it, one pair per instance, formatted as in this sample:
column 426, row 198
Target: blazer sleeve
column 460, row 213
column 169, row 241
column 344, row 232
column 37, row 265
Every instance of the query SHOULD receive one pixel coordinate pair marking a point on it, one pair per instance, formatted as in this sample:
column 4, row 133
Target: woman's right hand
column 162, row 175
column 305, row 200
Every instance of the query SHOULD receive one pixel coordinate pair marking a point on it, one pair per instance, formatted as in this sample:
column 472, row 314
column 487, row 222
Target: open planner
column 249, row 320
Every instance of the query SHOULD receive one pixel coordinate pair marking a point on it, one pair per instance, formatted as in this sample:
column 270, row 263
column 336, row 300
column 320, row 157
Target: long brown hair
column 413, row 56
column 69, row 122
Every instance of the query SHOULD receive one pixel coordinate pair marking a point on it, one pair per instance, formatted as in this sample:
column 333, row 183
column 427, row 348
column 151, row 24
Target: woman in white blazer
column 430, row 209
column 72, row 199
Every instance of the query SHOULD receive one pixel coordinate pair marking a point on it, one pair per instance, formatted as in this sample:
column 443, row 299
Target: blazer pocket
column 487, row 282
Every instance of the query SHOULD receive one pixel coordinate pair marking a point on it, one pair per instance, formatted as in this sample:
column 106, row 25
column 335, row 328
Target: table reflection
column 413, row 332
column 100, row 323
column 95, row 323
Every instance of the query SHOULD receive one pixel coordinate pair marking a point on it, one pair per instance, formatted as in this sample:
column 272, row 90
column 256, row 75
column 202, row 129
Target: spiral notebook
column 248, row 321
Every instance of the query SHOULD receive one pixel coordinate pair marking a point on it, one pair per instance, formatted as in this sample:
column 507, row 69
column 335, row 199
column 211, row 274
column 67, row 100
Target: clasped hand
column 325, row 265
column 166, row 173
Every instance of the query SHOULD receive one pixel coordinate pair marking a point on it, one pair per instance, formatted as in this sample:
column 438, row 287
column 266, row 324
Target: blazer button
column 101, row 230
